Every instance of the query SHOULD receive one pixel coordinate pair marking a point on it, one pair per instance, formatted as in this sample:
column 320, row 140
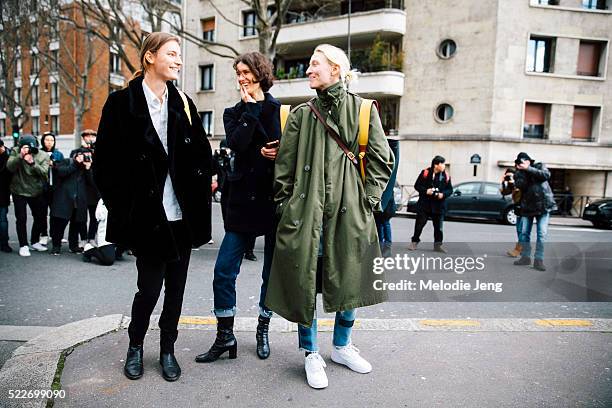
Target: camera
column 508, row 177
column 86, row 158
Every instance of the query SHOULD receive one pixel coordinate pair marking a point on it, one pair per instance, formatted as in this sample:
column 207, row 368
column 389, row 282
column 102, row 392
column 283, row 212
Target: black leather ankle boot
column 263, row 346
column 171, row 371
column 225, row 341
column 133, row 363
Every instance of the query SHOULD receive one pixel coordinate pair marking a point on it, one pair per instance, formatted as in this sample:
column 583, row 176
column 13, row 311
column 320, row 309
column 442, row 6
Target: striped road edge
column 421, row 325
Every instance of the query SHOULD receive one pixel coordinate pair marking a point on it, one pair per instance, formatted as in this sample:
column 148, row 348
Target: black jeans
column 421, row 220
column 58, row 226
column 37, row 207
column 152, row 273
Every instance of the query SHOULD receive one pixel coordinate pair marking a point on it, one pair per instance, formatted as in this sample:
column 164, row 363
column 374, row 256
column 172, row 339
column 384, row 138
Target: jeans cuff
column 225, row 312
column 267, row 313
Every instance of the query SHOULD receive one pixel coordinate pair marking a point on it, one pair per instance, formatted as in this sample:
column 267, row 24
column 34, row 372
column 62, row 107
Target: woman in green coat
column 326, row 239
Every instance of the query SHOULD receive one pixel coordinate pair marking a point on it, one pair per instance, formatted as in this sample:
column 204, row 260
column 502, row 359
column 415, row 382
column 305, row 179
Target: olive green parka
column 318, row 190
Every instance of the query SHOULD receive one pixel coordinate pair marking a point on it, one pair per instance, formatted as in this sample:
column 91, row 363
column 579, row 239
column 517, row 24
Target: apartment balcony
column 375, row 85
column 389, row 23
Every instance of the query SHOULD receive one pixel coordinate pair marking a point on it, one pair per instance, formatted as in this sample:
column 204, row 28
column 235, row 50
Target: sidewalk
column 417, row 363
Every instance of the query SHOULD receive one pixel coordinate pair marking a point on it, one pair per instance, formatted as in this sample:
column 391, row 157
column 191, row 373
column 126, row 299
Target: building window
column 55, row 60
column 590, row 57
column 447, row 49
column 540, row 54
column 548, row 2
column 115, row 64
column 2, row 127
column 17, row 95
column 55, row 124
column 207, row 77
column 249, row 23
column 444, row 112
column 35, row 95
column 207, row 122
column 594, row 4
column 584, row 119
column 534, row 126
column 54, row 93
column 35, row 125
column 35, row 65
column 18, row 67
column 208, row 29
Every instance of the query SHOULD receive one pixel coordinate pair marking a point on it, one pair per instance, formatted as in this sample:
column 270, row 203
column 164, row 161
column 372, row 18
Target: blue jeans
column 4, row 226
column 384, row 231
column 343, row 326
column 227, row 269
column 519, row 227
column 542, row 232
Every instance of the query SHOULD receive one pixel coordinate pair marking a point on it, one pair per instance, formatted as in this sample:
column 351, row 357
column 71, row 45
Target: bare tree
column 71, row 56
column 17, row 34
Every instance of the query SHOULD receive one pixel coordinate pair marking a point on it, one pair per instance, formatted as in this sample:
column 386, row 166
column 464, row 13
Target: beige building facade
column 488, row 78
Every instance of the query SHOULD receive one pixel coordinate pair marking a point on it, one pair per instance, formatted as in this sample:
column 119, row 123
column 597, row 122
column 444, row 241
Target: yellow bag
column 364, row 132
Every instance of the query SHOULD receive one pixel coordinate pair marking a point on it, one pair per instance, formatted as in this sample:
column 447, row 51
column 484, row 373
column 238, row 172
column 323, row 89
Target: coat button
column 244, row 124
column 143, row 157
column 252, row 170
column 199, row 172
column 306, row 168
column 343, row 210
column 296, row 223
column 302, row 196
column 252, row 198
column 187, row 140
column 151, row 193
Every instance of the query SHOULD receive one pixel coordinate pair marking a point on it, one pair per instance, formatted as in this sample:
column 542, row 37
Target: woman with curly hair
column 253, row 132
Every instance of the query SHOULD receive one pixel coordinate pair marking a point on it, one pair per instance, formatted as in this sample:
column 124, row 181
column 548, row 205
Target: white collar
column 150, row 95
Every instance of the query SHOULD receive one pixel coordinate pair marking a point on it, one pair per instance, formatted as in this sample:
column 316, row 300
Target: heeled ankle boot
column 263, row 346
column 225, row 341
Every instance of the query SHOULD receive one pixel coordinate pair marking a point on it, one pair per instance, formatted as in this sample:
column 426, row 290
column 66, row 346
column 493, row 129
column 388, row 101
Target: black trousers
column 58, row 226
column 89, row 233
column 105, row 255
column 38, row 209
column 421, row 220
column 152, row 273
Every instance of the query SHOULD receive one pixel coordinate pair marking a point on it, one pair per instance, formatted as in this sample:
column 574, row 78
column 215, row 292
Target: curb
column 34, row 365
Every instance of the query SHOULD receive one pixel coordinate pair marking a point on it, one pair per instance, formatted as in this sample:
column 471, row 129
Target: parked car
column 476, row 199
column 599, row 212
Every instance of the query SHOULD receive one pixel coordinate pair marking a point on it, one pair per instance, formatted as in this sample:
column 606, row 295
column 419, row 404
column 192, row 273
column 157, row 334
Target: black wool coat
column 248, row 198
column 536, row 194
column 70, row 192
column 130, row 168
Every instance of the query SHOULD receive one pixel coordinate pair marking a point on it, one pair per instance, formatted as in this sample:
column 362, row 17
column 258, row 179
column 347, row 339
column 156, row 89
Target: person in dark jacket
column 5, row 198
column 537, row 201
column 508, row 188
column 434, row 187
column 30, row 168
column 48, row 145
column 152, row 166
column 69, row 203
column 387, row 202
column 252, row 129
column 88, row 140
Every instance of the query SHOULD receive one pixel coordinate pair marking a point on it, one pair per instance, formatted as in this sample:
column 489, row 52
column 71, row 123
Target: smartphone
column 273, row 144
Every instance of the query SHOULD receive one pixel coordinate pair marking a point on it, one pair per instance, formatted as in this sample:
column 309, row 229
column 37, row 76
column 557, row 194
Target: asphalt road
column 44, row 290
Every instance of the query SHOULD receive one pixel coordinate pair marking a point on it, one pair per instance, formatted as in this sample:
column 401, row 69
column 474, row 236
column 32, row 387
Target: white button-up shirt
column 159, row 116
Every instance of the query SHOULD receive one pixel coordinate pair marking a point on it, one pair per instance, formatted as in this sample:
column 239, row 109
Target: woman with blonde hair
column 153, row 169
column 326, row 239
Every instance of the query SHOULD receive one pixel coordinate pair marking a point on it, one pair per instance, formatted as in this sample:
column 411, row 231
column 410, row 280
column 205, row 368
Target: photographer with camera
column 48, row 145
column 5, row 198
column 508, row 188
column 88, row 141
column 434, row 186
column 70, row 199
column 30, row 168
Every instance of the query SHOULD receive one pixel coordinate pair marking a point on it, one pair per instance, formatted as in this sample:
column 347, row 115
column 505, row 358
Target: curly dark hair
column 260, row 66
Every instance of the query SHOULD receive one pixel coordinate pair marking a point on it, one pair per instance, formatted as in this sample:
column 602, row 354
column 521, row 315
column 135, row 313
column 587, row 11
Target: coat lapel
column 140, row 109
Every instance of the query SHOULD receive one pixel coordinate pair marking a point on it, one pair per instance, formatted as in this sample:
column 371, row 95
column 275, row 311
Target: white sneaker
column 44, row 240
column 24, row 251
column 315, row 372
column 211, row 242
column 39, row 247
column 349, row 356
column 88, row 247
